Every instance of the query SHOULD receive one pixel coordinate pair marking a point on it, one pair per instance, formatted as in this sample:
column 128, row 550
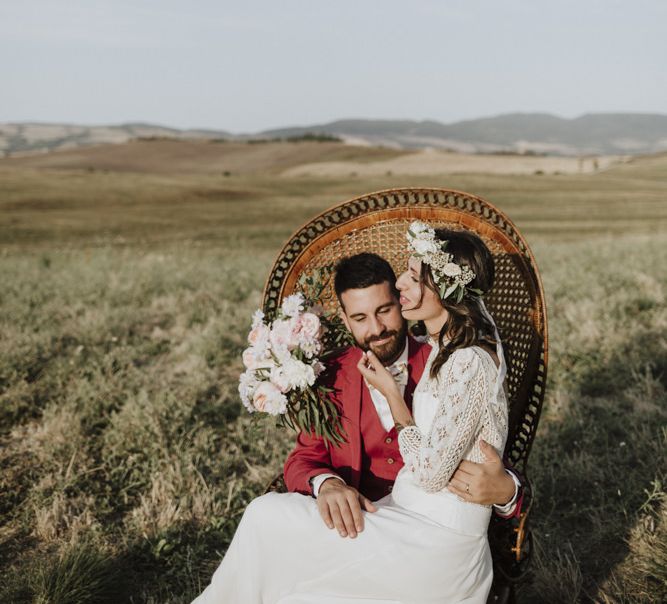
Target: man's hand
column 340, row 505
column 484, row 483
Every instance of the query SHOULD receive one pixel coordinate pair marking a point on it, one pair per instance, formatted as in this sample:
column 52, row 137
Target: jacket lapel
column 353, row 384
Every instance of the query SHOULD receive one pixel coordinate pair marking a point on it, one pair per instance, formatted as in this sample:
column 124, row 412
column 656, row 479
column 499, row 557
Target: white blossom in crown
column 450, row 277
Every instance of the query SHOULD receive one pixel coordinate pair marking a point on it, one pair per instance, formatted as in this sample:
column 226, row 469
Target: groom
column 348, row 478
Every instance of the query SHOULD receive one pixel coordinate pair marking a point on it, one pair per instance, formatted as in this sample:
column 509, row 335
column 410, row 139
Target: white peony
column 257, row 318
column 293, row 375
column 302, row 375
column 247, row 384
column 293, row 305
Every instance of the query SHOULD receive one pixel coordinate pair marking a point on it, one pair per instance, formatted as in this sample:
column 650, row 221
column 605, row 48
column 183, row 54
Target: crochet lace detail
column 468, row 408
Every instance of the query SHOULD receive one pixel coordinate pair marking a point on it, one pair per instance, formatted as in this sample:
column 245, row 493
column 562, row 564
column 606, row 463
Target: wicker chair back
column 377, row 222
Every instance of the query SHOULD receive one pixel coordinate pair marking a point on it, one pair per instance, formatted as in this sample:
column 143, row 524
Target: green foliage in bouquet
column 316, row 288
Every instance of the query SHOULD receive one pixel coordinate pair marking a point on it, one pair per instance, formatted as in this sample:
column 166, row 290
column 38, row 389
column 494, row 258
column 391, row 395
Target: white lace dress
column 423, row 545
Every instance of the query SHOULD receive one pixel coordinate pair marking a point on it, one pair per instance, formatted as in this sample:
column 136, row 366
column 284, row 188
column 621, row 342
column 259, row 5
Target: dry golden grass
column 199, row 157
column 125, row 457
column 429, row 162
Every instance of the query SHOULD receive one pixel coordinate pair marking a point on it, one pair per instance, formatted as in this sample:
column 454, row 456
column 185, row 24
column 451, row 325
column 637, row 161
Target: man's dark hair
column 363, row 270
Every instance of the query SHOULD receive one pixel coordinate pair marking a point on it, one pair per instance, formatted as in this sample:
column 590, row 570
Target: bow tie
column 399, row 372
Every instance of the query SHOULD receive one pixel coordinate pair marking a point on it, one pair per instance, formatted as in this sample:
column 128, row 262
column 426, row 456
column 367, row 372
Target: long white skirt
column 283, row 553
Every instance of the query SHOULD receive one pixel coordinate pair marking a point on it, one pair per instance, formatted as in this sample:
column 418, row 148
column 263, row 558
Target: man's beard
column 389, row 352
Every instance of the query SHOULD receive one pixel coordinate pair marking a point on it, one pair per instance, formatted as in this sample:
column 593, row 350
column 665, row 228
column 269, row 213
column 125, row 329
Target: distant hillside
column 35, row 138
column 591, row 134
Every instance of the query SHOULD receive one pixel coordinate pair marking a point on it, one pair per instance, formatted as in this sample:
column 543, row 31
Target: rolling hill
column 523, row 133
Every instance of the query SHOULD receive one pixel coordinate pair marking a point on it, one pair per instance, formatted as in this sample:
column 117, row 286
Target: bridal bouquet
column 282, row 366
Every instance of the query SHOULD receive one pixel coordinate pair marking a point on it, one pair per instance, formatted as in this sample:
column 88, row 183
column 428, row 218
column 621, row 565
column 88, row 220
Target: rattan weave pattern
column 378, row 223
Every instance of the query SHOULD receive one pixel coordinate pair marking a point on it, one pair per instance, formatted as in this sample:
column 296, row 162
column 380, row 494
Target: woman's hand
column 377, row 375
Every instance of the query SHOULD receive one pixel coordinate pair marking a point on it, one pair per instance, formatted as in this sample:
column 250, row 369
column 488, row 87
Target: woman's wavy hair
column 466, row 325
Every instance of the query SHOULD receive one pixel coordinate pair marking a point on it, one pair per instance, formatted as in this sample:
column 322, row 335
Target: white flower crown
column 450, row 277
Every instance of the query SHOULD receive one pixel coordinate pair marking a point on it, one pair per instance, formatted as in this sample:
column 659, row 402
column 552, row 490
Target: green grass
column 599, row 453
column 126, row 459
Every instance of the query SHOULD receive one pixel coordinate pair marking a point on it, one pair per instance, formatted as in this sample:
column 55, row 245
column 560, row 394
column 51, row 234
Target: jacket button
column 390, row 460
column 388, row 440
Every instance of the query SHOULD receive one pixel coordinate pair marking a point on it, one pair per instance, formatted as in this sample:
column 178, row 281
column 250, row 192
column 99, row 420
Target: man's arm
column 309, row 458
column 489, row 483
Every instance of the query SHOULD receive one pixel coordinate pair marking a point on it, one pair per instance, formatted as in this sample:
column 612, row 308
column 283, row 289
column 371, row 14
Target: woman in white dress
column 423, row 544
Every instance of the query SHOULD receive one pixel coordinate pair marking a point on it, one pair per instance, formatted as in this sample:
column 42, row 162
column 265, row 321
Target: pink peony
column 309, row 325
column 259, row 335
column 256, row 359
column 269, row 399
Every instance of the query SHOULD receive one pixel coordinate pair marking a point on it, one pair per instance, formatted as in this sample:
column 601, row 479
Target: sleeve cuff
column 316, row 482
column 508, row 508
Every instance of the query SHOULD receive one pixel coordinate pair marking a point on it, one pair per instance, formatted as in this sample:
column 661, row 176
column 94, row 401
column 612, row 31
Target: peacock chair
column 377, row 222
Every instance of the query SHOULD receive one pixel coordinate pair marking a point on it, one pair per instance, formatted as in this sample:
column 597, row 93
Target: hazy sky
column 250, row 65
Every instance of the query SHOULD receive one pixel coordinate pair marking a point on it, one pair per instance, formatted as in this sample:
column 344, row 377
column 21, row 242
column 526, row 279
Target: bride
column 423, row 544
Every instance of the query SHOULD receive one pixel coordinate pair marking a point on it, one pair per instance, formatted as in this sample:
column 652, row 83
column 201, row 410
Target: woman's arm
column 463, row 390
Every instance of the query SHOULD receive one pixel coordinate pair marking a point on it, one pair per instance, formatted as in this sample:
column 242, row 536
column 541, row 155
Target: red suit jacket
column 311, row 456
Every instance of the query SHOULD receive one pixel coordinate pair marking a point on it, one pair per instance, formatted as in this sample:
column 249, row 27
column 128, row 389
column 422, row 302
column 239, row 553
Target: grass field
column 126, row 459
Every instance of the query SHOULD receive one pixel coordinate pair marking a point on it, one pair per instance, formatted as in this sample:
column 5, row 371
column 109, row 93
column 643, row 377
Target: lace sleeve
column 462, row 389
